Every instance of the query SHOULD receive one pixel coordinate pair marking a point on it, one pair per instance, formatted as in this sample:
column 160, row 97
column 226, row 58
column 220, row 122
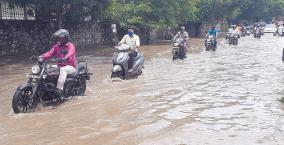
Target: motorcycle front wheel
column 207, row 48
column 175, row 55
column 23, row 101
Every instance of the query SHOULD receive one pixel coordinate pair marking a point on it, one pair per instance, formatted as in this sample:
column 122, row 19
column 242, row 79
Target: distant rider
column 184, row 36
column 212, row 32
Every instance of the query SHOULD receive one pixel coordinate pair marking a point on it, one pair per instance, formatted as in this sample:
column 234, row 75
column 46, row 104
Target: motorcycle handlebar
column 53, row 60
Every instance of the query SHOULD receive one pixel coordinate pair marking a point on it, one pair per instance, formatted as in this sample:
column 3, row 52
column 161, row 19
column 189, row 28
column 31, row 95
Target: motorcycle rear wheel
column 207, row 48
column 175, row 55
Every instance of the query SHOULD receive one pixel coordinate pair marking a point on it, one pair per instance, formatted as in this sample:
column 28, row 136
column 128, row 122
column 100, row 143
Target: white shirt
column 131, row 41
column 183, row 35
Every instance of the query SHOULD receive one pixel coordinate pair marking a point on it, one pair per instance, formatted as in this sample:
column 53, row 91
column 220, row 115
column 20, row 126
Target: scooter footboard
column 175, row 50
column 138, row 64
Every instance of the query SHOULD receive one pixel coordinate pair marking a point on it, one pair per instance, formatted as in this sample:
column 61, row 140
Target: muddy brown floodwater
column 225, row 98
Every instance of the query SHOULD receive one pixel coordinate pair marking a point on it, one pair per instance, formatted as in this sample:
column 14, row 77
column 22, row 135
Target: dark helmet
column 131, row 27
column 62, row 36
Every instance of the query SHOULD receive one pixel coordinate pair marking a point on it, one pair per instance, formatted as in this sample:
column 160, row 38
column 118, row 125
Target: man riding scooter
column 65, row 52
column 184, row 36
column 132, row 40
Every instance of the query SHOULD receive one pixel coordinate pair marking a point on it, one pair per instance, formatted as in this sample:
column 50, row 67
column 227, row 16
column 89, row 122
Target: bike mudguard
column 24, row 86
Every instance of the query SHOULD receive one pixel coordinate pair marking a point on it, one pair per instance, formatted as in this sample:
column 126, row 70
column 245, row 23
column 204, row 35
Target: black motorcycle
column 257, row 33
column 41, row 86
column 227, row 35
column 243, row 33
column 179, row 49
column 233, row 39
column 210, row 43
column 248, row 32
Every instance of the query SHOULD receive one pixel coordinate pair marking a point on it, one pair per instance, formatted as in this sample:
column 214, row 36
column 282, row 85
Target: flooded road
column 225, row 98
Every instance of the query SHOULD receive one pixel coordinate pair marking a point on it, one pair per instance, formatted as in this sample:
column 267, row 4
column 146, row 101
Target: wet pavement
column 225, row 98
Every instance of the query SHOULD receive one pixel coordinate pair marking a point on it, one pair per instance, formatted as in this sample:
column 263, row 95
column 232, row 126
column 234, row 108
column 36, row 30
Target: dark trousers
column 215, row 43
column 132, row 55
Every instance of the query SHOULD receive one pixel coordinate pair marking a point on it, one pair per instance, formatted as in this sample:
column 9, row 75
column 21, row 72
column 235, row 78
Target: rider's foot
column 59, row 93
column 130, row 71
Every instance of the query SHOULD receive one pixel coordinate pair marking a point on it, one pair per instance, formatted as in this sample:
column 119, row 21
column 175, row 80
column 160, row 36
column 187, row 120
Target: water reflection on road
column 228, row 97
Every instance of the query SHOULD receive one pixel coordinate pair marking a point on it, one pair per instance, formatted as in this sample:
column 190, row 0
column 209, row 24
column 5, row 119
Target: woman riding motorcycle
column 65, row 52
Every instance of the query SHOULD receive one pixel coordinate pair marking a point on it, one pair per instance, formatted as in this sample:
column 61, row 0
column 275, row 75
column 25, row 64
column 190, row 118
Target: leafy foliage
column 282, row 100
column 154, row 14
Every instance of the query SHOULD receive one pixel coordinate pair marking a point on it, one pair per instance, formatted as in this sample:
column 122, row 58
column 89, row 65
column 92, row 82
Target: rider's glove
column 40, row 59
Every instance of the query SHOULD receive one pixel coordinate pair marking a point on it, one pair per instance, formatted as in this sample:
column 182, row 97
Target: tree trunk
column 59, row 14
column 25, row 12
column 0, row 14
column 60, row 20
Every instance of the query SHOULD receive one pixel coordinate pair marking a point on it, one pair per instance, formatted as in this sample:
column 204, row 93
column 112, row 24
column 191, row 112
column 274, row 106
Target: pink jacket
column 58, row 52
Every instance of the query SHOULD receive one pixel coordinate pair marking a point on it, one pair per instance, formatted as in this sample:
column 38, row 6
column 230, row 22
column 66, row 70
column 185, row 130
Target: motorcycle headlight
column 35, row 69
column 176, row 44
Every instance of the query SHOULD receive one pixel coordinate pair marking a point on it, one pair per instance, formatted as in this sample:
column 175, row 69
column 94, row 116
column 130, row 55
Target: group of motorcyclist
column 182, row 34
column 65, row 51
column 237, row 31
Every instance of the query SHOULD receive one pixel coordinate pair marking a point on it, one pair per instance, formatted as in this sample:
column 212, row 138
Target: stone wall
column 88, row 34
column 17, row 37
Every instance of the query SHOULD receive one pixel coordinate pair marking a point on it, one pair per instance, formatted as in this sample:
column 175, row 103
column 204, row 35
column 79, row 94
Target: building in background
column 15, row 12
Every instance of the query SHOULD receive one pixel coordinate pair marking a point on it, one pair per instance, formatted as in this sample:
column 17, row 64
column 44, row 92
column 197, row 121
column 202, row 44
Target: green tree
column 65, row 11
column 155, row 14
column 152, row 14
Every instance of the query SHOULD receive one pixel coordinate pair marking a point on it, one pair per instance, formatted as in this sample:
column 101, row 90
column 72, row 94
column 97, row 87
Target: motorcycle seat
column 80, row 67
column 72, row 75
